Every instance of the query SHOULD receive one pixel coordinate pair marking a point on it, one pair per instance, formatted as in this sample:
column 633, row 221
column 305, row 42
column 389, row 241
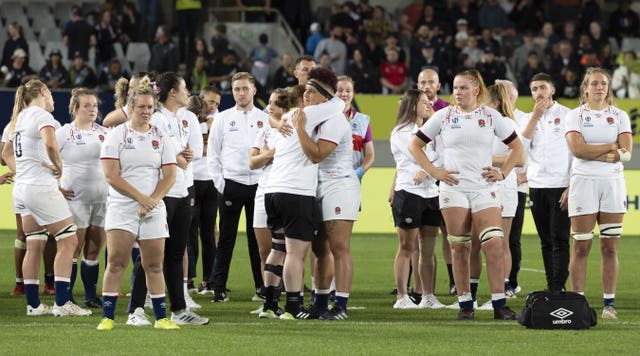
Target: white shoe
column 138, row 318
column 147, row 302
column 257, row 311
column 456, row 306
column 191, row 304
column 609, row 312
column 257, row 298
column 188, row 317
column 42, row 309
column 517, row 290
column 430, row 302
column 405, row 303
column 70, row 309
column 486, row 306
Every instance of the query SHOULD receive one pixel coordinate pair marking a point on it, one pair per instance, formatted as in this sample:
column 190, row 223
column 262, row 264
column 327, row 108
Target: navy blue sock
column 341, row 301
column 322, row 300
column 109, row 306
column 89, row 274
column 74, row 275
column 63, row 293
column 135, row 252
column 159, row 307
column 608, row 302
column 474, row 289
column 32, row 294
column 48, row 278
column 468, row 305
column 499, row 304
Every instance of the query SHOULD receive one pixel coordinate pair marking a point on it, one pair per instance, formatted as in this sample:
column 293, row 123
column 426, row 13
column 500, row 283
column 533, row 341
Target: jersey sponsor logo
column 155, row 144
column 455, row 123
column 578, row 209
column 232, row 126
column 587, row 122
column 610, row 120
column 260, row 124
column 482, row 123
column 408, row 220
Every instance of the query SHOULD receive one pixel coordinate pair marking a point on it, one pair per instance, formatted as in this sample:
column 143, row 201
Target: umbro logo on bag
column 561, row 314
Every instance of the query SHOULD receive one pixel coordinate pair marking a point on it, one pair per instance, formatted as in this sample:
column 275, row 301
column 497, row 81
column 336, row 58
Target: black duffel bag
column 557, row 310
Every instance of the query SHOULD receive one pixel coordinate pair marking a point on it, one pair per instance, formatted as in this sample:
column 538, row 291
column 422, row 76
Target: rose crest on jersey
column 610, row 120
column 101, row 138
column 185, row 124
column 260, row 124
column 338, row 210
column 482, row 123
column 155, row 144
column 556, row 121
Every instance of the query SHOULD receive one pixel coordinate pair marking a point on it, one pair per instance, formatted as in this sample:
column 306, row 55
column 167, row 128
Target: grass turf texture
column 374, row 327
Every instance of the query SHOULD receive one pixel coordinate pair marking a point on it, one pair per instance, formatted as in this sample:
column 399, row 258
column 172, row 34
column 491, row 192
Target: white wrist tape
column 625, row 156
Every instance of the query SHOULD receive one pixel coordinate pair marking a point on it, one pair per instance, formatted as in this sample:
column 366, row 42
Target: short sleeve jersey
column 339, row 162
column 598, row 127
column 407, row 167
column 467, row 138
column 29, row 148
column 141, row 156
column 80, row 153
column 265, row 137
column 500, row 149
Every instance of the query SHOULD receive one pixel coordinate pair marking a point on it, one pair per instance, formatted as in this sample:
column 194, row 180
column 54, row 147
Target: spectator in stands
column 164, row 56
column 372, row 51
column 566, row 59
column 548, row 36
column 378, row 27
column 410, row 15
column 149, row 11
column 491, row 68
column 223, row 70
column 452, row 54
column 350, row 9
column 312, row 41
column 197, row 78
column 15, row 40
column 624, row 22
column 19, row 71
column 607, row 60
column 597, row 35
column 335, row 48
column 324, row 61
column 283, row 77
column 106, row 36
column 569, row 33
column 589, row 59
column 188, row 13
column 393, row 74
column 468, row 11
column 365, row 10
column 80, row 74
column 392, row 42
column 260, row 58
column 471, row 49
column 78, row 35
column 520, row 56
column 200, row 49
column 625, row 82
column 569, row 84
column 428, row 59
column 340, row 17
column 527, row 15
column 510, row 40
column 491, row 15
column 110, row 75
column 129, row 23
column 219, row 41
column 590, row 11
column 255, row 14
column 527, row 72
column 365, row 75
column 428, row 17
column 419, row 38
column 54, row 74
column 487, row 40
column 584, row 44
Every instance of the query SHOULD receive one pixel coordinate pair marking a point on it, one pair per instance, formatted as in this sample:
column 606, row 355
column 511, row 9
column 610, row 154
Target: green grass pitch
column 374, row 327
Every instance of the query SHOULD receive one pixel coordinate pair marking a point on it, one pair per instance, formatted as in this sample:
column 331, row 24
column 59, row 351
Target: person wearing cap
column 428, row 59
column 16, row 40
column 54, row 74
column 314, row 38
column 490, row 68
column 19, row 71
column 81, row 75
column 467, row 10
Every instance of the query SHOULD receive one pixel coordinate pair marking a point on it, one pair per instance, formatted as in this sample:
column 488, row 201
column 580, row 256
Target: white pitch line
column 532, row 270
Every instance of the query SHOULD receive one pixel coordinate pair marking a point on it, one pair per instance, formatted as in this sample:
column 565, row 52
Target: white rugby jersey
column 292, row 171
column 500, row 149
column 520, row 119
column 598, row 127
column 194, row 138
column 549, row 158
column 141, row 156
column 80, row 153
column 232, row 134
column 407, row 167
column 339, row 163
column 28, row 148
column 200, row 166
column 265, row 137
column 467, row 138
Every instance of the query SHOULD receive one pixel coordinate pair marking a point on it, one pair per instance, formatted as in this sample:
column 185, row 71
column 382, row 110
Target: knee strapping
column 65, row 232
column 37, row 235
column 20, row 245
column 277, row 235
column 278, row 247
column 490, row 233
column 610, row 230
column 583, row 236
column 277, row 270
column 453, row 239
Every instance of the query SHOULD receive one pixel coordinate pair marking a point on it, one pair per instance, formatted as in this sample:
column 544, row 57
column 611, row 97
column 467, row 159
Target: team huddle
column 170, row 161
